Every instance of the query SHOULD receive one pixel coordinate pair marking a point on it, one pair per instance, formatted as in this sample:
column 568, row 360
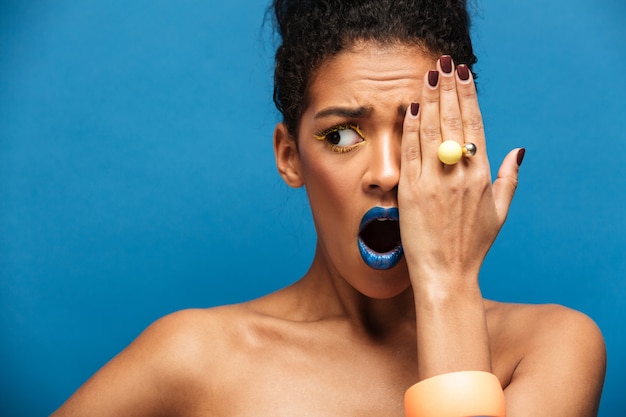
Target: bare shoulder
column 173, row 360
column 549, row 353
column 541, row 320
column 192, row 344
column 187, row 330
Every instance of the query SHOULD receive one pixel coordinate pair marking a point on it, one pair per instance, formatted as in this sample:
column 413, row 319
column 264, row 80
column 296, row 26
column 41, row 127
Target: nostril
column 384, row 177
column 384, row 183
column 374, row 187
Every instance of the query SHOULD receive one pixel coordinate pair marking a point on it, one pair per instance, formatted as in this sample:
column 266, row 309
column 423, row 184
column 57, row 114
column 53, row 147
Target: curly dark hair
column 312, row 31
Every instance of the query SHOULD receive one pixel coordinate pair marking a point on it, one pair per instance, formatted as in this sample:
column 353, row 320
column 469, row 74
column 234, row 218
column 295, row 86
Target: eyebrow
column 352, row 112
column 347, row 112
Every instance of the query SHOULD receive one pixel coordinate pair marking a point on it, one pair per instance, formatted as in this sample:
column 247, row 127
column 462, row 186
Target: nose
column 383, row 172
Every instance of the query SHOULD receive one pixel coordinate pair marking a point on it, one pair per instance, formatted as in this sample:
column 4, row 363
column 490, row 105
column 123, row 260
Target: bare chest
column 326, row 375
column 314, row 381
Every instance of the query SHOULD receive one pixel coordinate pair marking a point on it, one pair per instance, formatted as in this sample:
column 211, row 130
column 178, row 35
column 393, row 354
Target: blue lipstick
column 372, row 258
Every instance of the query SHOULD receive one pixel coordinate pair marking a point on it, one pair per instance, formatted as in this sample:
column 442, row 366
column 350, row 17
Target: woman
column 368, row 91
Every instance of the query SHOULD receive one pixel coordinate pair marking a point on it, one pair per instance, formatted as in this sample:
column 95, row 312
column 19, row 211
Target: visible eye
column 342, row 138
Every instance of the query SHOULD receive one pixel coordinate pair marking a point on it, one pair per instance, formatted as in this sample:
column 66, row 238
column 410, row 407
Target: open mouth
column 379, row 238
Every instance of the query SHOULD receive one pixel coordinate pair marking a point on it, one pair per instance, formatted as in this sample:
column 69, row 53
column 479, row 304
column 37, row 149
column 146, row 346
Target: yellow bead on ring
column 450, row 152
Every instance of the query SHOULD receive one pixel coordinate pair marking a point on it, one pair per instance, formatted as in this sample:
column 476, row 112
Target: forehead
column 367, row 70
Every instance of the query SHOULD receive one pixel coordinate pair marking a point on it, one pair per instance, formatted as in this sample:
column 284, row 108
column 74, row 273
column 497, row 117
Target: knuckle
column 452, row 121
column 455, row 183
column 481, row 177
column 412, row 152
column 468, row 94
column 480, row 183
column 429, row 194
column 447, row 84
column 410, row 126
column 430, row 98
column 474, row 123
column 430, row 132
column 454, row 188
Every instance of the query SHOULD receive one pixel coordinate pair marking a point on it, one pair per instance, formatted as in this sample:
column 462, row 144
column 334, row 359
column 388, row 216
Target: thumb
column 505, row 185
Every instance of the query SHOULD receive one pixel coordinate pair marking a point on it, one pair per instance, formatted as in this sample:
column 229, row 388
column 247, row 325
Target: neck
column 324, row 294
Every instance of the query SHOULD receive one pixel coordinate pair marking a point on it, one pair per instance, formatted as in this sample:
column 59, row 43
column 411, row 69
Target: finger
column 505, row 185
column 430, row 124
column 473, row 129
column 449, row 109
column 411, row 159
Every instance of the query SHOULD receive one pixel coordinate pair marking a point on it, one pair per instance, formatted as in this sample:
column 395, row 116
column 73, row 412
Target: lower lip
column 373, row 259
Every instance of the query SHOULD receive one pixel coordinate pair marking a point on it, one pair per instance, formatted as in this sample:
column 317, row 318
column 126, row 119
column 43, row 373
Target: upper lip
column 376, row 213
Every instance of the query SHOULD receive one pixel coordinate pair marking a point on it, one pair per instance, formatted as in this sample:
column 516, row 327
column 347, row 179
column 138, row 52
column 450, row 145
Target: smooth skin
column 347, row 340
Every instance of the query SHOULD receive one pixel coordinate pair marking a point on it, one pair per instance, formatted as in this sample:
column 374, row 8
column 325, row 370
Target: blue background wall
column 137, row 174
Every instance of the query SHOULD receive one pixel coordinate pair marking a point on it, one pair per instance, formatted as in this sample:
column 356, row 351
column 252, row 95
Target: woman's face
column 349, row 155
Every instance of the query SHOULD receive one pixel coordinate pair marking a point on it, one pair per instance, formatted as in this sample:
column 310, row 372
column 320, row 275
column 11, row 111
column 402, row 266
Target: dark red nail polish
column 415, row 108
column 463, row 72
column 446, row 64
column 433, row 78
column 520, row 156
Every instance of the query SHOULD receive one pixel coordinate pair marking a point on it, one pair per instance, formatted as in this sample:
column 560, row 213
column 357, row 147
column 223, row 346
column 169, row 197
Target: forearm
column 451, row 329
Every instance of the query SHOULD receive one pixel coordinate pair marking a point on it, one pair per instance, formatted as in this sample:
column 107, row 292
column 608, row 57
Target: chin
column 382, row 285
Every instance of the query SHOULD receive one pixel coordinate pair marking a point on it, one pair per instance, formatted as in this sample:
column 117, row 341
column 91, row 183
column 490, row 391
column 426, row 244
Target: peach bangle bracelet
column 456, row 394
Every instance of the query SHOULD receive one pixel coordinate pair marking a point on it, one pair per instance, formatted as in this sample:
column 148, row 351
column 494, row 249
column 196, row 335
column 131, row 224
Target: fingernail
column 415, row 108
column 433, row 78
column 446, row 64
column 463, row 72
column 520, row 156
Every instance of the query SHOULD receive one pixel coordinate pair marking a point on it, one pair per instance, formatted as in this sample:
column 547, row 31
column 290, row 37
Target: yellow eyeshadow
column 342, row 149
column 323, row 134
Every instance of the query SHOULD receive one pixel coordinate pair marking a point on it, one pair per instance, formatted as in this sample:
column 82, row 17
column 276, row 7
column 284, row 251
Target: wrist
column 452, row 331
column 440, row 284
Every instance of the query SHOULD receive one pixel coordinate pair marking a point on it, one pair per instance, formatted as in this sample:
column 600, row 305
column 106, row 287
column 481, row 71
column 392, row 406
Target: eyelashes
column 342, row 138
